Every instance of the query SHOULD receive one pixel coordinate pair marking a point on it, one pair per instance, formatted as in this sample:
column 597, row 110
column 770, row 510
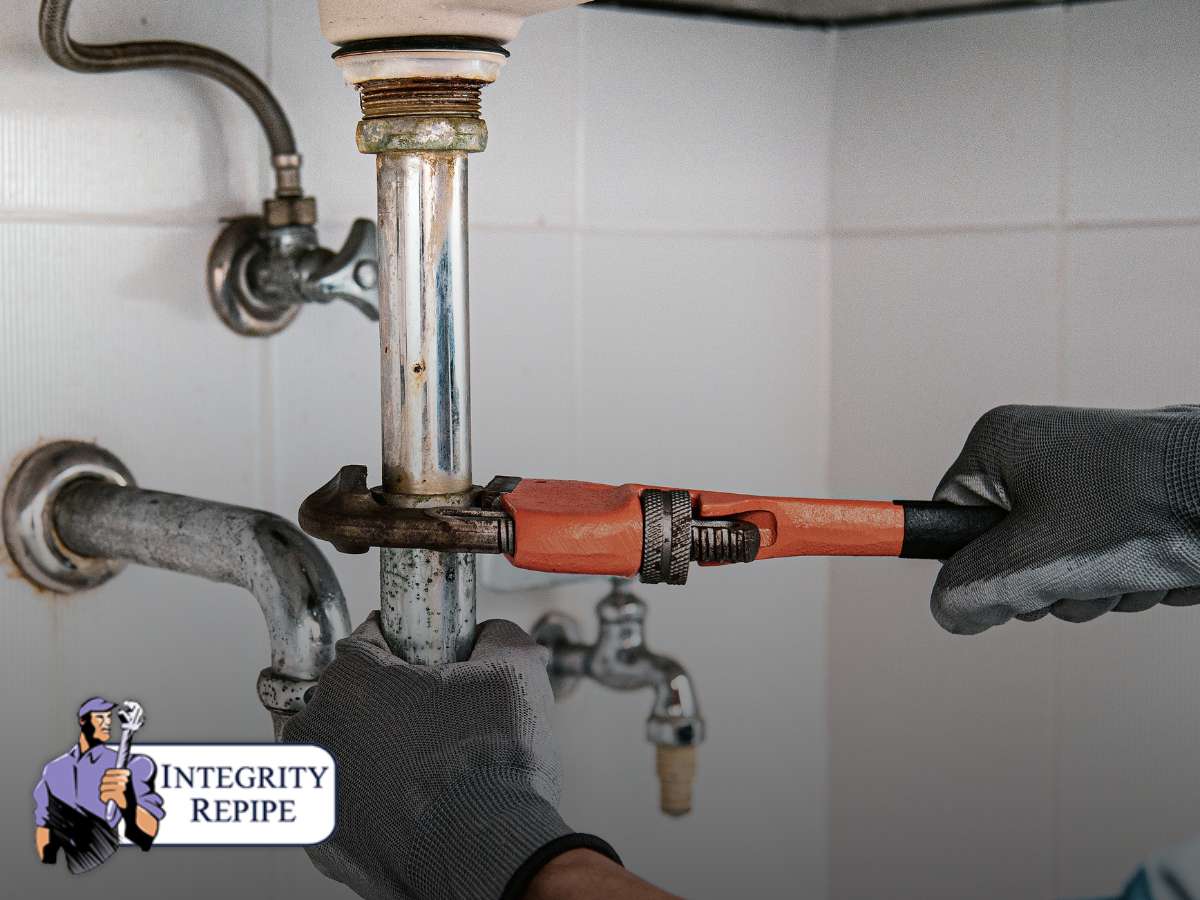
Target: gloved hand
column 1104, row 514
column 448, row 776
column 1169, row 874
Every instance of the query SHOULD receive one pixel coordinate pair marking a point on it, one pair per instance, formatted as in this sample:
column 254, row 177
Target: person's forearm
column 140, row 825
column 588, row 875
column 146, row 823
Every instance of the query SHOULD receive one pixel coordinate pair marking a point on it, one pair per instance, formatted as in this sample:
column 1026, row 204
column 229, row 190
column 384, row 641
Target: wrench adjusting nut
column 666, row 536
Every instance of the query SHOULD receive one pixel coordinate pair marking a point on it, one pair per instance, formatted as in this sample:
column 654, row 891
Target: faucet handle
column 676, row 768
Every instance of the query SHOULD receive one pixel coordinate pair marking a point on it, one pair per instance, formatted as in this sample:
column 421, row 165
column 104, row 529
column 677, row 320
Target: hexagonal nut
column 280, row 212
column 417, row 134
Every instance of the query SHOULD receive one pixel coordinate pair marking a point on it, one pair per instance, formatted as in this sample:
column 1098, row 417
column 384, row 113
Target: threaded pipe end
column 420, row 97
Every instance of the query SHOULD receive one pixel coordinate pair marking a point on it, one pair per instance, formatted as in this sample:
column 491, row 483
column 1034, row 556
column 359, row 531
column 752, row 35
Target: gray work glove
column 1171, row 874
column 448, row 776
column 1104, row 514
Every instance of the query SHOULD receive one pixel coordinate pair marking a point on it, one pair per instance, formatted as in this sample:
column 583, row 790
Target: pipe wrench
column 132, row 719
column 653, row 532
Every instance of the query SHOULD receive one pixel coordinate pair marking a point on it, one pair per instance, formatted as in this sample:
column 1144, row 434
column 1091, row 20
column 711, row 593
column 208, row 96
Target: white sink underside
column 343, row 21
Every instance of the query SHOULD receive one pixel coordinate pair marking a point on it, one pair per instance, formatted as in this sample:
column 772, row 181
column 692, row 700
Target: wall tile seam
column 1064, row 231
column 100, row 220
column 490, row 227
column 832, row 43
column 191, row 220
column 578, row 217
column 267, row 465
column 651, row 231
column 1070, row 225
column 826, row 293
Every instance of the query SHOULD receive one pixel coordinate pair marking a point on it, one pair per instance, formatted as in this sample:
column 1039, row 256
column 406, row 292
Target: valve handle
column 351, row 274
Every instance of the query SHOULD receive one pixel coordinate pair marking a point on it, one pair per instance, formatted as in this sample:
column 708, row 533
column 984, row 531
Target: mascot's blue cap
column 95, row 705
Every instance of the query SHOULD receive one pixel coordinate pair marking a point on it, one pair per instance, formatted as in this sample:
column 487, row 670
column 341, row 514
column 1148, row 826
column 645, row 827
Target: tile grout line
column 268, row 439
column 827, row 288
column 578, row 212
column 650, row 231
column 832, row 42
column 1067, row 224
column 91, row 219
column 190, row 220
column 1062, row 261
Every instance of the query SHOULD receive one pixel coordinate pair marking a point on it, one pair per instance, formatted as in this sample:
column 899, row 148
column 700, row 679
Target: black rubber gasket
column 713, row 9
column 426, row 42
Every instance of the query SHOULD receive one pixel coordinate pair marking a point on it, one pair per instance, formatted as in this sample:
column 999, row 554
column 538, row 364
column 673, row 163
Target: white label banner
column 276, row 794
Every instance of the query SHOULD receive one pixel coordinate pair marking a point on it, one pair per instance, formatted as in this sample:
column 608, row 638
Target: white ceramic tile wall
column 166, row 147
column 948, row 121
column 1014, row 204
column 587, row 288
column 674, row 142
column 928, row 730
column 1135, row 110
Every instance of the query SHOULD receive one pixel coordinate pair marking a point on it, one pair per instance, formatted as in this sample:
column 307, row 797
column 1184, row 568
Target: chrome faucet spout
column 621, row 660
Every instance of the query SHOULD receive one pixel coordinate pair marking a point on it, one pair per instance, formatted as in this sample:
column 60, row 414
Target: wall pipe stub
column 73, row 517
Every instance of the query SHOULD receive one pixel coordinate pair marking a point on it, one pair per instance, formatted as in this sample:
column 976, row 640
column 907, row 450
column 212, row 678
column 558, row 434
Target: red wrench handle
column 799, row 526
column 597, row 529
column 913, row 529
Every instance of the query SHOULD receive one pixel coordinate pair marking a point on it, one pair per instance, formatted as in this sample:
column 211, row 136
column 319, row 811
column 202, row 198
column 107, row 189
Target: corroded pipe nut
column 282, row 212
column 422, row 133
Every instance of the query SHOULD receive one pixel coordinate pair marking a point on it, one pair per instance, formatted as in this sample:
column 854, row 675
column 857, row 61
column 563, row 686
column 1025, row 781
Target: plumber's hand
column 448, row 777
column 114, row 786
column 1104, row 514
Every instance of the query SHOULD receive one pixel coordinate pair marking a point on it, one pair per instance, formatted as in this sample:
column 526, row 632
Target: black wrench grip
column 936, row 530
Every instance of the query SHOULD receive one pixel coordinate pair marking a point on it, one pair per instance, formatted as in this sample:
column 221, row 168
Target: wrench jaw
column 132, row 716
column 717, row 542
column 354, row 518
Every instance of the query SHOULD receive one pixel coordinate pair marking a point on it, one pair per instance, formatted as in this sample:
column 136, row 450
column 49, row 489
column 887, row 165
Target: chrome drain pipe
column 420, row 101
column 73, row 516
column 427, row 598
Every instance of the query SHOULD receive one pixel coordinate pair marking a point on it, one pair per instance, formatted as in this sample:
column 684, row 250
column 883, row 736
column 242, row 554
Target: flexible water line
column 59, row 46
